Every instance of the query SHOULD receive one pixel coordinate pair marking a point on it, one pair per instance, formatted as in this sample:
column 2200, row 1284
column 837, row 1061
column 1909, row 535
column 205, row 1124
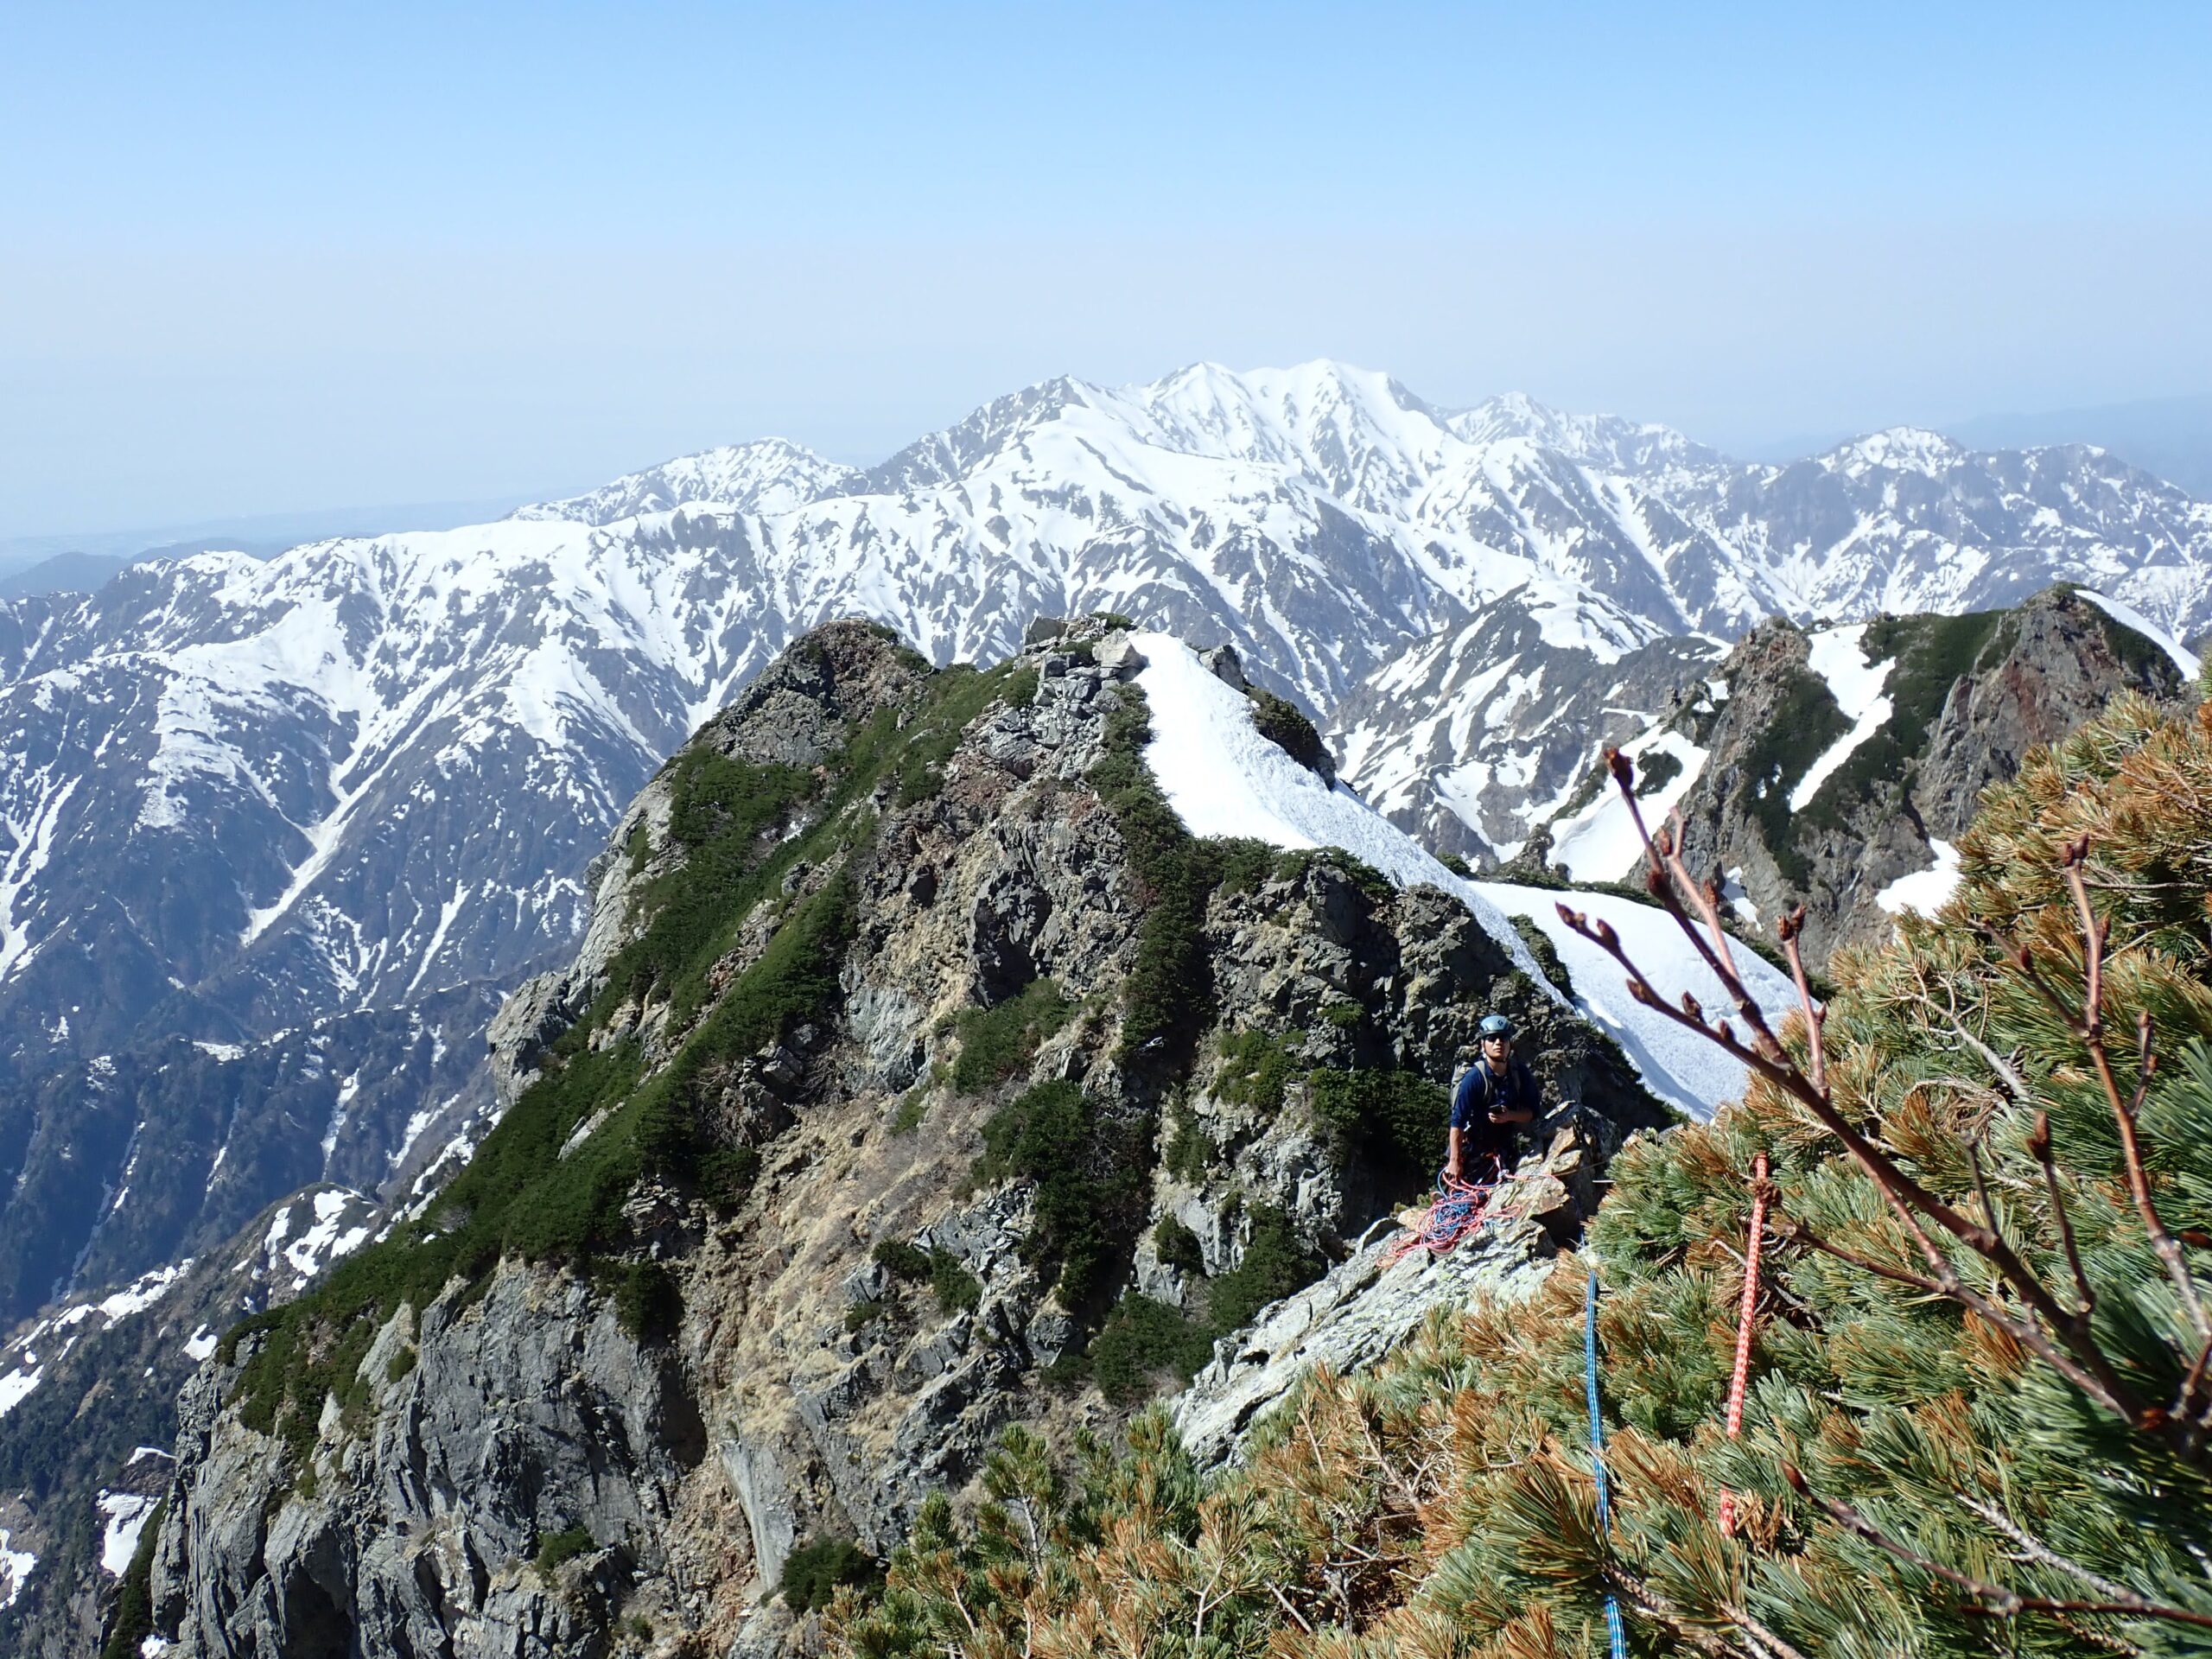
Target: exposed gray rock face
column 1970, row 695
column 1380, row 1295
column 93, row 1385
column 493, row 1427
column 814, row 1386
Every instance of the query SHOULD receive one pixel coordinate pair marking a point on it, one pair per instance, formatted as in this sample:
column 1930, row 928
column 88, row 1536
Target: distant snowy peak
column 1896, row 449
column 1608, row 442
column 767, row 475
column 948, row 456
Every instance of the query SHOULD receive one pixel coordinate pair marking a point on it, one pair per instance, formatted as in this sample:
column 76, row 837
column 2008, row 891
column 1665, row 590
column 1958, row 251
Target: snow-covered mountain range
column 339, row 797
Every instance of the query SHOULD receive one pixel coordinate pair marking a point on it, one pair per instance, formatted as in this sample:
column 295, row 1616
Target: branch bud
column 2040, row 1138
column 1692, row 1007
column 1795, row 1478
column 1607, row 937
column 1622, row 767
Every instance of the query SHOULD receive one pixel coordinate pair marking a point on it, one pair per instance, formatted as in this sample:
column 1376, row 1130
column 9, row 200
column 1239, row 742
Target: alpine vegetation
column 1906, row 1352
column 925, row 1074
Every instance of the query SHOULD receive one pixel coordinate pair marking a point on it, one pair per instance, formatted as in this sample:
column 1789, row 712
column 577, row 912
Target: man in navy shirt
column 1495, row 1093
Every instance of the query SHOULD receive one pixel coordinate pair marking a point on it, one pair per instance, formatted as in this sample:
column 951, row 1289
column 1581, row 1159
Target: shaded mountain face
column 920, row 1076
column 88, row 1409
column 240, row 798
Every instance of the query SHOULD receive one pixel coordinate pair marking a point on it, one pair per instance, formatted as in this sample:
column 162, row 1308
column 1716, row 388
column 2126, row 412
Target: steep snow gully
column 1225, row 778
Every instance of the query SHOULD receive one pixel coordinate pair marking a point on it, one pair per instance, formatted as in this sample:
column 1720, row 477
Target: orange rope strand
column 1744, row 1318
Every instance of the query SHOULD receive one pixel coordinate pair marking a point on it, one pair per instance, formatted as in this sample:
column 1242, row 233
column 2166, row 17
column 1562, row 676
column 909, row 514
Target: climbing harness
column 1457, row 1211
column 1597, row 1454
column 1745, row 1317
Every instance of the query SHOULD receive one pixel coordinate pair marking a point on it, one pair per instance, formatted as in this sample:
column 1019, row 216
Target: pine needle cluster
column 2002, row 1447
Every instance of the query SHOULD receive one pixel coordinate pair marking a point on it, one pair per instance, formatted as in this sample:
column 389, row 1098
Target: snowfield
column 1926, row 891
column 1223, row 778
column 1839, row 657
column 125, row 1515
column 1601, row 842
column 2127, row 616
column 15, row 1567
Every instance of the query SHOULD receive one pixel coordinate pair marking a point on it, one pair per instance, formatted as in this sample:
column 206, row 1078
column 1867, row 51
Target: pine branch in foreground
column 1980, row 1404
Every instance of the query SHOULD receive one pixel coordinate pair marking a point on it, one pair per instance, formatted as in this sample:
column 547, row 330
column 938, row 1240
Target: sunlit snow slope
column 1225, row 778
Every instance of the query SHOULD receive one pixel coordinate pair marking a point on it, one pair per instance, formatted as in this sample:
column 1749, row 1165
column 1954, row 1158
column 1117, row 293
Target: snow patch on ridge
column 16, row 1566
column 1925, row 891
column 1223, row 778
column 326, row 1239
column 1838, row 657
column 15, row 1386
column 126, row 1514
column 1601, row 842
column 2127, row 616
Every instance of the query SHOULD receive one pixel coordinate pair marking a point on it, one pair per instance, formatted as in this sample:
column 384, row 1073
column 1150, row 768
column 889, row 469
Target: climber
column 1494, row 1093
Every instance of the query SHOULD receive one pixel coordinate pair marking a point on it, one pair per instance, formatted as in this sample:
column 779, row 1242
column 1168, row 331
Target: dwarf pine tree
column 1979, row 1418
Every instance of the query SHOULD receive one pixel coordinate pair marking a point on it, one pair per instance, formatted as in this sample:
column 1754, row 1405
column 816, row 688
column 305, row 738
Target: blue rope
column 1597, row 1453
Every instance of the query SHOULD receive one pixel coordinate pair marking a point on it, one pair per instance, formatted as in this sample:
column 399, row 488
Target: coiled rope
column 1456, row 1211
column 1597, row 1454
column 1745, row 1316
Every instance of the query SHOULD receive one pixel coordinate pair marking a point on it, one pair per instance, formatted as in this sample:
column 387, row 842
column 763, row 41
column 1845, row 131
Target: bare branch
column 2036, row 1549
column 1906, row 1197
column 2006, row 1072
column 2084, row 1361
column 2105, row 1388
column 1981, row 1184
column 2091, row 1031
column 2039, row 1144
column 1787, row 928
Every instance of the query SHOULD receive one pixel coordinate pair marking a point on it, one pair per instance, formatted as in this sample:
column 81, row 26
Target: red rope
column 1457, row 1211
column 1744, row 1318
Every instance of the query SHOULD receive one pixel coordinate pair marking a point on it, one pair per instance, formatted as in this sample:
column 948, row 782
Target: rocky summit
column 1836, row 768
column 920, row 1076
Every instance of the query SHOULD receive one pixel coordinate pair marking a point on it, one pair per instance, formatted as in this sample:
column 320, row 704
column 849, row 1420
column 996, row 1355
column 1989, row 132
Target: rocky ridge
column 1835, row 769
column 847, row 1246
column 240, row 799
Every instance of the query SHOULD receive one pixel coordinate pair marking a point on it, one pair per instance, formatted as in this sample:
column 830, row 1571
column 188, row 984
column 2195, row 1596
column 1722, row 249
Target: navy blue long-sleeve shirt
column 1482, row 1091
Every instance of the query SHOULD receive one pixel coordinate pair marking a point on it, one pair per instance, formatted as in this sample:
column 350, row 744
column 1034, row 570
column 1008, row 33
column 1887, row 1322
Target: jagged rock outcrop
column 89, row 1392
column 1824, row 768
column 1970, row 696
column 516, row 1466
column 886, row 1150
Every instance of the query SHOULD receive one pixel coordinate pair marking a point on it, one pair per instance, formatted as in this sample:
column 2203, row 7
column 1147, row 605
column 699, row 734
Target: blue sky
column 262, row 259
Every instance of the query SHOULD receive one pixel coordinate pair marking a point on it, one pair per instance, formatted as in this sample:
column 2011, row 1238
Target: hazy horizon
column 260, row 264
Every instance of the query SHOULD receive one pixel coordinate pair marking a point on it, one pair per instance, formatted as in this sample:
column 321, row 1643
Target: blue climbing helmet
column 1496, row 1025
